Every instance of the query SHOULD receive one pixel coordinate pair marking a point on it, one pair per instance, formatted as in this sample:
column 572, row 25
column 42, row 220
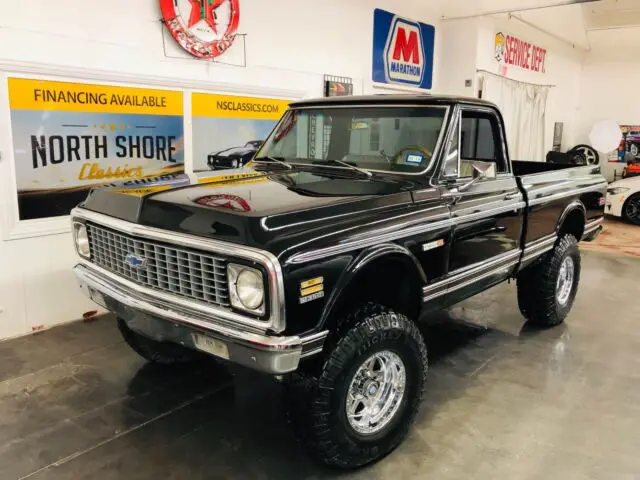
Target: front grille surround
column 274, row 320
column 194, row 274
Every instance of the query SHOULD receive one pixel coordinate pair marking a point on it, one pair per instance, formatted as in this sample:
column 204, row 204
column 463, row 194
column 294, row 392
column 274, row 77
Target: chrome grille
column 181, row 271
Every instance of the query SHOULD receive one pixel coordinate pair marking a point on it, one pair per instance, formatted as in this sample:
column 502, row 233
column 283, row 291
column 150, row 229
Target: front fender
column 359, row 264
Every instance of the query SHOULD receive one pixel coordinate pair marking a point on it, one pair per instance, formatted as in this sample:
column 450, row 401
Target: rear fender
column 574, row 210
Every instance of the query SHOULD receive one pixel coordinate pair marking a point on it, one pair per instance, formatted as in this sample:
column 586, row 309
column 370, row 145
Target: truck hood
column 253, row 208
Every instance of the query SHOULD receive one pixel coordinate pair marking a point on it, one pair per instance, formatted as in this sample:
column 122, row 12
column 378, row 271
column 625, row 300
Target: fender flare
column 575, row 205
column 366, row 257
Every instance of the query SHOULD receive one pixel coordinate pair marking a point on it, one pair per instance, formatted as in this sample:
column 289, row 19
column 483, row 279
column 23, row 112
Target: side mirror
column 481, row 171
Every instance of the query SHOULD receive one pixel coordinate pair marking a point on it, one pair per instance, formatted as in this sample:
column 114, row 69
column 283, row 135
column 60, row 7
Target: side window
column 480, row 141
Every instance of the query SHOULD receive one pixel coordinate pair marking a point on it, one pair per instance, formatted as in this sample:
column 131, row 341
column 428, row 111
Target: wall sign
column 510, row 50
column 402, row 50
column 228, row 130
column 69, row 137
column 204, row 28
column 337, row 86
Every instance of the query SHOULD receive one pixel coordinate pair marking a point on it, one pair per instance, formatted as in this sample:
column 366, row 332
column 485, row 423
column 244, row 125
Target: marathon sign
column 402, row 50
column 510, row 50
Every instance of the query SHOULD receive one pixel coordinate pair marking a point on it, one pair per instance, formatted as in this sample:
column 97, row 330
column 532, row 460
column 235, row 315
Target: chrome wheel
column 565, row 281
column 376, row 392
column 589, row 154
column 634, row 150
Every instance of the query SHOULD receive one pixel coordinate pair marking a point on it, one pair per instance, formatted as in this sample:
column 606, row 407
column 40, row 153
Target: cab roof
column 392, row 99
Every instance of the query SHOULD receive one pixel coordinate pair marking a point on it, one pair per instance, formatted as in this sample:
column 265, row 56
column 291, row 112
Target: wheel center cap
column 372, row 388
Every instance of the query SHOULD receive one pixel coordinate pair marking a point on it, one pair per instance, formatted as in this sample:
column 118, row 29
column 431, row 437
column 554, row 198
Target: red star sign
column 204, row 9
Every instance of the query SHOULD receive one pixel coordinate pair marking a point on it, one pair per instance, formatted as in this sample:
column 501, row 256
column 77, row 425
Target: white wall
column 458, row 56
column 469, row 45
column 611, row 76
column 563, row 69
column 289, row 46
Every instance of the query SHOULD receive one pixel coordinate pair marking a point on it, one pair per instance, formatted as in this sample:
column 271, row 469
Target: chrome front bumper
column 165, row 321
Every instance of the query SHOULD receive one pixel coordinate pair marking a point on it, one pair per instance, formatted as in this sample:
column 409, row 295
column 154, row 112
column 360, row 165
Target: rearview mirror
column 484, row 170
column 481, row 171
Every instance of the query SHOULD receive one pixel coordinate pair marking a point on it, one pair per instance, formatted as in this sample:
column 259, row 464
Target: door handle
column 452, row 195
column 512, row 196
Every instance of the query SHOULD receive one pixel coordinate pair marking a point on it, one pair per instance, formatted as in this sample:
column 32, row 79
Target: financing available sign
column 513, row 51
column 402, row 50
column 69, row 137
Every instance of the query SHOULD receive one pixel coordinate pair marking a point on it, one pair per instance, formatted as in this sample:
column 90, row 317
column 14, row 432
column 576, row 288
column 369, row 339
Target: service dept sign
column 402, row 50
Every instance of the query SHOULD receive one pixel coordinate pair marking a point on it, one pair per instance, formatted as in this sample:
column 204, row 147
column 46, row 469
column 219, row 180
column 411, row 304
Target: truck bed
column 523, row 167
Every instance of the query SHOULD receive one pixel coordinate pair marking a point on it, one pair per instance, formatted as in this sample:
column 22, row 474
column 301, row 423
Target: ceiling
column 575, row 21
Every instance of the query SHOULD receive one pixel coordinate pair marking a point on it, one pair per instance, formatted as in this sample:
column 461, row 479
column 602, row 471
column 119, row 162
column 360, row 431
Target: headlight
column 82, row 240
column 616, row 190
column 246, row 288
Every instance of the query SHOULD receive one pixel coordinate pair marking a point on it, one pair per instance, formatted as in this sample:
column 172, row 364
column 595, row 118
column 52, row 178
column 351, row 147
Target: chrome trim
column 509, row 259
column 311, row 255
column 271, row 354
column 277, row 319
column 592, row 225
column 313, row 344
column 535, row 249
column 434, row 154
column 557, row 196
column 366, row 242
column 486, row 213
column 263, row 221
column 386, row 248
column 504, row 268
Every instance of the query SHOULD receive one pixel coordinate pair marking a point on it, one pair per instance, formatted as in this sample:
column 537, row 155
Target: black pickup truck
column 359, row 216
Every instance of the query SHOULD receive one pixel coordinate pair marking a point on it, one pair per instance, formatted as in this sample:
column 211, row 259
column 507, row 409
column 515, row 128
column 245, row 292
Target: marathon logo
column 404, row 53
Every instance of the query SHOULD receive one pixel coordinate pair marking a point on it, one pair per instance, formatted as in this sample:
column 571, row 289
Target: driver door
column 487, row 213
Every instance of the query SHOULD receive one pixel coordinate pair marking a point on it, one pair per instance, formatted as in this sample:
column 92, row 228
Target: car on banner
column 234, row 157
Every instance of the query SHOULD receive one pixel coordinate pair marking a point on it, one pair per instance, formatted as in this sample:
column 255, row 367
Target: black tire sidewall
column 635, row 221
column 329, row 435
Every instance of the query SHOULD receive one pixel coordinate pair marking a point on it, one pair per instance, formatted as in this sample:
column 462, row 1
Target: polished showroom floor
column 503, row 402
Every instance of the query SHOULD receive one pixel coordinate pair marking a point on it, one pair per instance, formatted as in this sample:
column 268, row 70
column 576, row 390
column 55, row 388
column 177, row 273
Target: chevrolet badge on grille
column 135, row 261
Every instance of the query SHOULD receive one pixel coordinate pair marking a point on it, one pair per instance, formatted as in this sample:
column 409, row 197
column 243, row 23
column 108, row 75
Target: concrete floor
column 505, row 402
column 618, row 237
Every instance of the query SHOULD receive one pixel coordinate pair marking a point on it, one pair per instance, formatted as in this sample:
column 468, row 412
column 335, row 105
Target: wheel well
column 573, row 224
column 389, row 281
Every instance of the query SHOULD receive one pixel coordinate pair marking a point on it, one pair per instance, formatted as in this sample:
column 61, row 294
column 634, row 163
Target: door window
column 480, row 140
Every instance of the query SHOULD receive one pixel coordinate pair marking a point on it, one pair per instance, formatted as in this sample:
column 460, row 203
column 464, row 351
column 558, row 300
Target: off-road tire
column 537, row 285
column 162, row 353
column 316, row 396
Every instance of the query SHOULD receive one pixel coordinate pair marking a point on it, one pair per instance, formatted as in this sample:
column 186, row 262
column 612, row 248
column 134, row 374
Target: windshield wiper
column 353, row 167
column 279, row 160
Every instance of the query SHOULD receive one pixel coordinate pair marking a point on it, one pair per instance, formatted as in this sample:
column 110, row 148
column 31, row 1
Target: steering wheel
column 417, row 148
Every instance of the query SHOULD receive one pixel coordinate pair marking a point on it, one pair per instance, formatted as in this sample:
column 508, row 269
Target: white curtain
column 523, row 107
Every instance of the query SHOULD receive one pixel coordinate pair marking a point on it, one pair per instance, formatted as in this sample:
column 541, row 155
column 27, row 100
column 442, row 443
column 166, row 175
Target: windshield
column 393, row 139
